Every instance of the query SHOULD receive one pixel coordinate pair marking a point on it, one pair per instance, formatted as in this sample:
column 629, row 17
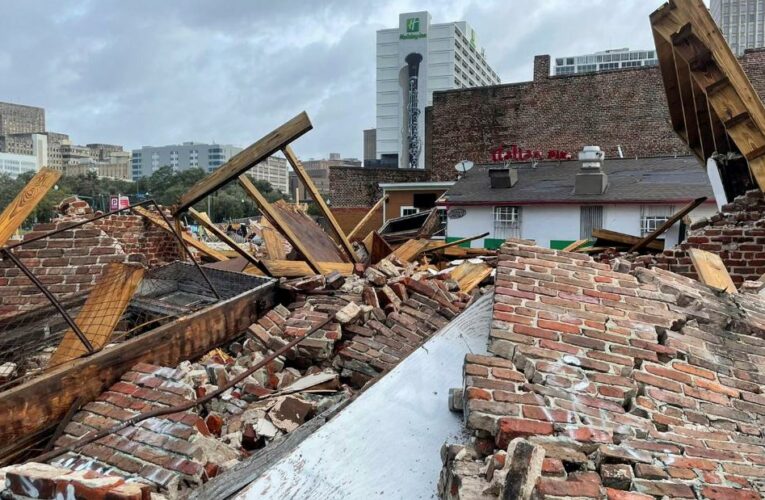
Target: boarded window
column 591, row 218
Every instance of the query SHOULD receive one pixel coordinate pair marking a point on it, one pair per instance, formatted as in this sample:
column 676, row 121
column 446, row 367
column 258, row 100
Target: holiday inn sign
column 412, row 30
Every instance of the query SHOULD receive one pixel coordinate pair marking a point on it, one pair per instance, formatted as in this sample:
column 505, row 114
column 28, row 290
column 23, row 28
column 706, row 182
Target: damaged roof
column 664, row 179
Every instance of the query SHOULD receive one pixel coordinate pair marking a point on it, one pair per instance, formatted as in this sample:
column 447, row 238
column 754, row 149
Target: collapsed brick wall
column 73, row 260
column 626, row 108
column 607, row 384
column 736, row 234
column 359, row 187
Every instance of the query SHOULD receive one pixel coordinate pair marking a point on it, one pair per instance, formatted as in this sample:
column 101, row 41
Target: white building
column 13, row 164
column 274, row 170
column 425, row 57
column 601, row 61
column 149, row 159
column 742, row 22
column 557, row 203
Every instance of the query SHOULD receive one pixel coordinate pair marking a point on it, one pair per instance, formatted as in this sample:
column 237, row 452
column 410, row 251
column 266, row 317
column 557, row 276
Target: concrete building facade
column 605, row 60
column 14, row 164
column 149, row 159
column 414, row 60
column 742, row 22
column 20, row 119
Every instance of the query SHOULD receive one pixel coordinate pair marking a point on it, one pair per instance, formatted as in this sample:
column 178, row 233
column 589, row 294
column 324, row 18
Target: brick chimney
column 541, row 68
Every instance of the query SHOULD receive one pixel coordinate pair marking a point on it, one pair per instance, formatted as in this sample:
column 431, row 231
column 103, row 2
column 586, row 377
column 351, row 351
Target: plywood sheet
column 411, row 249
column 318, row 244
column 273, row 241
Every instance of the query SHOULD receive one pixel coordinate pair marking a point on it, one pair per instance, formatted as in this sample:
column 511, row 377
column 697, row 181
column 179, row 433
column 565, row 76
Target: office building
column 605, row 60
column 414, row 60
column 318, row 171
column 370, row 145
column 742, row 22
column 274, row 170
column 149, row 159
column 20, row 119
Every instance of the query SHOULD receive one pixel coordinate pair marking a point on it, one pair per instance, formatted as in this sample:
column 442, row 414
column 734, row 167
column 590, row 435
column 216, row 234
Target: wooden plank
column 26, row 201
column 689, row 108
column 711, row 270
column 701, row 108
column 367, row 242
column 688, row 208
column 246, row 159
column 272, row 240
column 380, row 249
column 573, row 247
column 319, row 200
column 364, row 220
column 299, row 268
column 216, row 231
column 158, row 221
column 623, row 239
column 42, row 401
column 669, row 76
column 435, row 245
column 411, row 249
column 101, row 312
column 469, row 275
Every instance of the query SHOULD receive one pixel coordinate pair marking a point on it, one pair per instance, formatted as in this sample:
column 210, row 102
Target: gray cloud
column 158, row 72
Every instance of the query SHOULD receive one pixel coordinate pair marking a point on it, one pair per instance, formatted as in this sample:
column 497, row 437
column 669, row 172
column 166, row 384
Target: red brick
column 557, row 487
column 557, row 326
column 511, row 428
column 613, row 494
column 548, row 415
column 722, row 493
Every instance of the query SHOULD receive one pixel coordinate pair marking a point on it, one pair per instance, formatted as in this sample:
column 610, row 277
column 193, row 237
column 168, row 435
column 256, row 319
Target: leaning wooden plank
column 158, row 221
column 573, row 247
column 711, row 270
column 469, row 275
column 319, row 200
column 102, row 310
column 298, row 268
column 246, row 159
column 364, row 220
column 434, row 246
column 26, row 201
column 411, row 249
column 380, row 249
column 606, row 235
column 42, row 401
column 208, row 224
column 668, row 223
column 430, row 225
column 272, row 240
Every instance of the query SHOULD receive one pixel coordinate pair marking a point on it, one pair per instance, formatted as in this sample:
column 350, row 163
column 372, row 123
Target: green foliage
column 164, row 186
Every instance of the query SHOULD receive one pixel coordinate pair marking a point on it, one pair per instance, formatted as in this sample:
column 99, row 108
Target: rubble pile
column 377, row 317
column 630, row 384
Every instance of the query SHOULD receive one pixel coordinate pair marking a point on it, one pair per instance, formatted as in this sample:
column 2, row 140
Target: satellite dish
column 463, row 166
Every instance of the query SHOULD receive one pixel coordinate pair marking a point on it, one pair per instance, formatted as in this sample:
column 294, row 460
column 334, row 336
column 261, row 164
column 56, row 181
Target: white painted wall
column 622, row 218
column 543, row 223
column 477, row 220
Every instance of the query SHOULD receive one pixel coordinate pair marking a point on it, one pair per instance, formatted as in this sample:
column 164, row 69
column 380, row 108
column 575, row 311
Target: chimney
column 591, row 179
column 541, row 68
column 502, row 177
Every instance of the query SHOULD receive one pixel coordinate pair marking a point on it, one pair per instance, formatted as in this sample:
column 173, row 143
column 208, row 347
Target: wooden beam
column 573, row 247
column 380, row 249
column 319, row 200
column 42, row 401
column 25, row 202
column 689, row 108
column 441, row 246
column 623, row 239
column 711, row 270
column 688, row 208
column 298, row 268
column 275, row 218
column 411, row 249
column 246, row 159
column 469, row 275
column 364, row 220
column 215, row 230
column 272, row 240
column 158, row 221
column 101, row 312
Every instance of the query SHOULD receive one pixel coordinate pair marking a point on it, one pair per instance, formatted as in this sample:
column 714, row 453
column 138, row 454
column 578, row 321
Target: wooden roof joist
column 712, row 104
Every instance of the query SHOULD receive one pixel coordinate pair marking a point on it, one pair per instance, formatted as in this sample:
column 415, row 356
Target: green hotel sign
column 412, row 30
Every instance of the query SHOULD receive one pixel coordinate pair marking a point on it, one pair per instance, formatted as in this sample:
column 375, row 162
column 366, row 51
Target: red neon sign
column 515, row 153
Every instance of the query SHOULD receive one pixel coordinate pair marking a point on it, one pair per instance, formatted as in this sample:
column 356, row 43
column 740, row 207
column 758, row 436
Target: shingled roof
column 676, row 179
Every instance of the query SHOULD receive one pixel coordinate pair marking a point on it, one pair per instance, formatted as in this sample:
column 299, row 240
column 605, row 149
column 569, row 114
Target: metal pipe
column 186, row 249
column 180, row 408
column 53, row 300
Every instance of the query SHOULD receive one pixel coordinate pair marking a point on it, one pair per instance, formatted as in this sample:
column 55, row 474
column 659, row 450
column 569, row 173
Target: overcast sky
column 160, row 72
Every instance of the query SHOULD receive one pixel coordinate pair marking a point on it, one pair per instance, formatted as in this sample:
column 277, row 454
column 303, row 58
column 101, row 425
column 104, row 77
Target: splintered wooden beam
column 276, row 220
column 573, row 247
column 364, row 220
column 246, row 159
column 668, row 223
column 208, row 224
column 434, row 246
column 410, row 249
column 711, row 270
column 469, row 275
column 101, row 312
column 623, row 239
column 158, row 221
column 319, row 200
column 298, row 268
column 26, row 201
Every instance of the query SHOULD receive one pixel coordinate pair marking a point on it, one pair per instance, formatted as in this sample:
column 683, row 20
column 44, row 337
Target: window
column 409, row 211
column 651, row 217
column 507, row 222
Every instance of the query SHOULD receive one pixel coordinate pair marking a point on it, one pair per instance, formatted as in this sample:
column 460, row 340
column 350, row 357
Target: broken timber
column 102, row 311
column 607, row 236
column 711, row 270
column 158, row 221
column 710, row 97
column 668, row 223
column 208, row 224
column 246, row 159
column 273, row 241
column 298, row 268
column 25, row 202
column 364, row 220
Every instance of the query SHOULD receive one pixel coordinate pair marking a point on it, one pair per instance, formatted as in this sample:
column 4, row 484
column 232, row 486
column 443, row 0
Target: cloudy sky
column 148, row 72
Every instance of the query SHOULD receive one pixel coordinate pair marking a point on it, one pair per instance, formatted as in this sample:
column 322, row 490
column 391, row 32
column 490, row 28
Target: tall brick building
column 625, row 108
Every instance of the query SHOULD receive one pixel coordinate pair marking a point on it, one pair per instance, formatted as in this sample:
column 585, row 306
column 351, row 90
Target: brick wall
column 736, row 234
column 358, row 187
column 608, row 109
